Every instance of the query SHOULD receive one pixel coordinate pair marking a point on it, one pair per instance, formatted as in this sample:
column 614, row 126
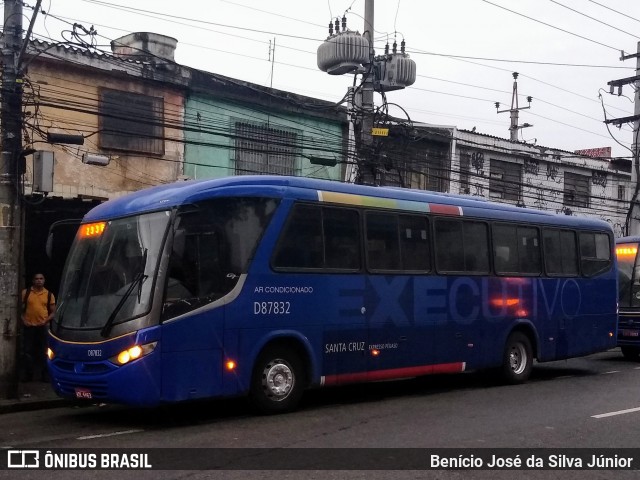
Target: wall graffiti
column 565, row 211
column 541, row 198
column 618, row 228
column 543, row 186
column 478, row 190
column 553, row 172
column 599, row 178
column 531, row 166
column 477, row 162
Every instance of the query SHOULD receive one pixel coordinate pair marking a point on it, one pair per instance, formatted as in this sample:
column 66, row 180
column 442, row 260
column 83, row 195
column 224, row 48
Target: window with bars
column 428, row 174
column 465, row 162
column 263, row 150
column 131, row 121
column 436, row 172
column 576, row 190
column 622, row 192
column 505, row 180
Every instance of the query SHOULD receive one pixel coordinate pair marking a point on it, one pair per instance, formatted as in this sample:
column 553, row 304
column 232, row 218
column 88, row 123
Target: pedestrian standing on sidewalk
column 38, row 307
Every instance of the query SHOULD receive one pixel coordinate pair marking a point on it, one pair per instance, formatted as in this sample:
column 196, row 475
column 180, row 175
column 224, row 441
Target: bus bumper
column 130, row 384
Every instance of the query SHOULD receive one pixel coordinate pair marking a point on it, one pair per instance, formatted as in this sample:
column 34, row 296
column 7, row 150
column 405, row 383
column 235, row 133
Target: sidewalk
column 33, row 396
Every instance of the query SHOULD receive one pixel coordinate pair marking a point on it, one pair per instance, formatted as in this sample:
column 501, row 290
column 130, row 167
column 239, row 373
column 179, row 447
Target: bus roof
column 178, row 193
column 629, row 239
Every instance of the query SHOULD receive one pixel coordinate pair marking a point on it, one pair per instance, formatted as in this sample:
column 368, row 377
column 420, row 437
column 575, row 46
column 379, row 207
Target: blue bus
column 629, row 296
column 266, row 286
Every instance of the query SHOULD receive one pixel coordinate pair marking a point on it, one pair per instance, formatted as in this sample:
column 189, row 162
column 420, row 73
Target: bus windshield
column 110, row 272
column 628, row 281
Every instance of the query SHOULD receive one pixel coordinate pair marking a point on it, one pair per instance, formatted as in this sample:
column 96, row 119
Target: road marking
column 124, row 432
column 619, row 412
column 612, row 371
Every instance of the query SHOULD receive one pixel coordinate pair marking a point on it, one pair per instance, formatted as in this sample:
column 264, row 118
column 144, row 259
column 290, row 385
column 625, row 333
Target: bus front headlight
column 133, row 353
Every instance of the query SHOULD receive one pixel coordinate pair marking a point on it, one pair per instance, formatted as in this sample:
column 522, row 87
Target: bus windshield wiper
column 137, row 281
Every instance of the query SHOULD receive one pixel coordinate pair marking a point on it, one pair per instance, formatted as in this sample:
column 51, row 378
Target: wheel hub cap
column 278, row 380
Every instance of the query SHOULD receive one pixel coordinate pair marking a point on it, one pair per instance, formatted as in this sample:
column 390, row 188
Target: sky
column 565, row 52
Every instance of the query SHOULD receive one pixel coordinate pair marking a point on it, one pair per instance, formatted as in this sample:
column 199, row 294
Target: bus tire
column 631, row 353
column 517, row 360
column 277, row 381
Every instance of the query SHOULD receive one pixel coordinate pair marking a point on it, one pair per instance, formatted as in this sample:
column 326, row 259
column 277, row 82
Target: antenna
column 514, row 128
column 272, row 57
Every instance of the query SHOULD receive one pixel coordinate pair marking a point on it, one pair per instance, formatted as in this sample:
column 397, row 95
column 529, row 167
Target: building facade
column 237, row 128
column 544, row 178
column 144, row 120
column 446, row 159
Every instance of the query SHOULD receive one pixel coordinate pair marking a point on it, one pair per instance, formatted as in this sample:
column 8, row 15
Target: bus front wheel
column 277, row 383
column 631, row 353
column 517, row 360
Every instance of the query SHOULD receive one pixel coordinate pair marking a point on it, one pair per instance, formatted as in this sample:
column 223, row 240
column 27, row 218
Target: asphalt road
column 578, row 403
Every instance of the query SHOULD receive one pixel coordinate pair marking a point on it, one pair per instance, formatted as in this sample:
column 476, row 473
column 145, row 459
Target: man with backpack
column 38, row 307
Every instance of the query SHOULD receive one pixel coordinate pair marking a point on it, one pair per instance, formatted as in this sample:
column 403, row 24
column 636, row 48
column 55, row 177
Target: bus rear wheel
column 631, row 353
column 517, row 360
column 277, row 381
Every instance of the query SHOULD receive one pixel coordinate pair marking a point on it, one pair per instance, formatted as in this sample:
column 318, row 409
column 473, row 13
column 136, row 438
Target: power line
column 504, row 60
column 553, row 26
column 400, row 158
column 296, row 66
column 592, row 18
column 616, row 11
column 176, row 17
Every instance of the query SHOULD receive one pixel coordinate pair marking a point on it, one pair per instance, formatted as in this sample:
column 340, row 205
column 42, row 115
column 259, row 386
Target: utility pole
column 513, row 129
column 11, row 211
column 632, row 224
column 349, row 52
column 366, row 139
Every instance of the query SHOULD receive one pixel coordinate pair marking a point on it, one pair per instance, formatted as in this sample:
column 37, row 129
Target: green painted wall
column 210, row 143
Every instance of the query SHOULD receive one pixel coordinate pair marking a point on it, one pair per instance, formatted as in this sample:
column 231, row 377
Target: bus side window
column 505, row 249
column 300, row 245
column 414, row 243
column 476, row 247
column 595, row 253
column 341, row 228
column 560, row 253
column 449, row 245
column 516, row 249
column 383, row 244
column 528, row 250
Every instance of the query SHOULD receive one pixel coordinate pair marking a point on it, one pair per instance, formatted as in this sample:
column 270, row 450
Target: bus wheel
column 631, row 353
column 517, row 360
column 277, row 383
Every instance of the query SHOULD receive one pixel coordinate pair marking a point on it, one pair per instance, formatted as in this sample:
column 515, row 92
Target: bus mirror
column 60, row 238
column 49, row 245
column 178, row 242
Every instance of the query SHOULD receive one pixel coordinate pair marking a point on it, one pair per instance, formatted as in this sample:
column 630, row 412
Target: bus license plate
column 83, row 393
column 630, row 333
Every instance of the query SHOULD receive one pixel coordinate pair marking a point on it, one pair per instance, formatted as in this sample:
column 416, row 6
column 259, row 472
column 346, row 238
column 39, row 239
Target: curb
column 35, row 404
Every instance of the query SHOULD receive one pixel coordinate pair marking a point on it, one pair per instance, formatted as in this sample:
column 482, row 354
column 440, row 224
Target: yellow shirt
column 36, row 311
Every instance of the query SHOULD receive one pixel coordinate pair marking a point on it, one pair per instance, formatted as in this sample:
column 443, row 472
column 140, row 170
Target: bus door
column 345, row 339
column 398, row 260
column 345, row 335
column 320, row 250
column 628, row 295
